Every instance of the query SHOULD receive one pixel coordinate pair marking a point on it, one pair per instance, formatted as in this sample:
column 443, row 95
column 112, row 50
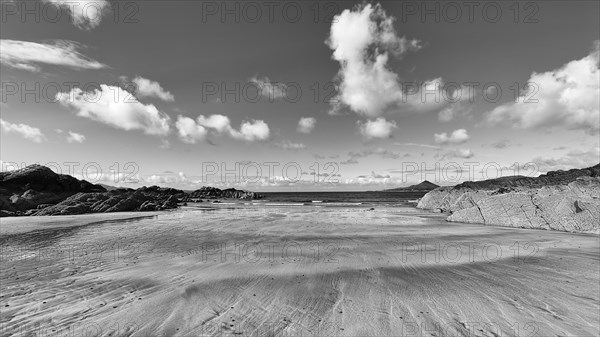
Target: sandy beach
column 293, row 271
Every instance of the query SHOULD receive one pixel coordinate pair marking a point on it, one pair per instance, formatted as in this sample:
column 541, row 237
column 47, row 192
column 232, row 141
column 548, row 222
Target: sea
column 340, row 198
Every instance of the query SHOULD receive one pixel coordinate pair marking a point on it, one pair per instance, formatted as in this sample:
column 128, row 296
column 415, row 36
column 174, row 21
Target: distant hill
column 423, row 186
column 109, row 187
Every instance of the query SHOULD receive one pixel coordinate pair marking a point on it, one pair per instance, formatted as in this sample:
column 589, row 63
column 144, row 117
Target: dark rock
column 6, row 204
column 40, row 178
column 21, row 204
column 207, row 192
column 121, row 200
column 37, row 190
column 4, row 213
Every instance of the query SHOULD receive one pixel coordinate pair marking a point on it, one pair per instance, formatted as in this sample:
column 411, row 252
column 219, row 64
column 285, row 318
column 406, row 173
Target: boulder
column 7, row 205
column 21, row 204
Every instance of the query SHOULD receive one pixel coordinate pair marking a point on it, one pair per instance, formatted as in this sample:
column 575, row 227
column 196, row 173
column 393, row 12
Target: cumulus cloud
column 256, row 130
column 85, row 14
column 379, row 128
column 26, row 131
column 306, row 124
column 74, row 137
column 191, row 131
column 148, row 88
column 269, row 89
column 116, row 107
column 28, row 55
column 289, row 145
column 456, row 137
column 567, row 97
column 219, row 123
column 362, row 41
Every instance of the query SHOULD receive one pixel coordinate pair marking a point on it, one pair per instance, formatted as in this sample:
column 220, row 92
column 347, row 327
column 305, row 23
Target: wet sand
column 293, row 271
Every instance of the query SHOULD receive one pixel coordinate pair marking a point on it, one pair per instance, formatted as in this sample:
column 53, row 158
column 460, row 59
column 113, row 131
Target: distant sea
column 342, row 198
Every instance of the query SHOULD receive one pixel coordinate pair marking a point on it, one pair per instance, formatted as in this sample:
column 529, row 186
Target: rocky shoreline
column 559, row 200
column 37, row 190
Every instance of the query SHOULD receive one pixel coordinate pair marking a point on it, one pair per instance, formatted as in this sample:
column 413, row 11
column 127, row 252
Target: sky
column 299, row 95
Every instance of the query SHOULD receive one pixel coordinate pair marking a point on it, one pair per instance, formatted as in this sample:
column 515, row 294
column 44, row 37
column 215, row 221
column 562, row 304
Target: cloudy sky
column 299, row 95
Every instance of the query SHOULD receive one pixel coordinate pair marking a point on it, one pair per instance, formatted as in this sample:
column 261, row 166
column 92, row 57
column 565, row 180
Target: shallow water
column 317, row 270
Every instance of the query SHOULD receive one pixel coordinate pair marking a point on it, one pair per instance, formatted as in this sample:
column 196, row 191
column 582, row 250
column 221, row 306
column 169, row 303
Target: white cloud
column 362, row 41
column 256, row 130
column 188, row 131
column 75, row 137
column 566, row 98
column 306, row 124
column 28, row 55
column 85, row 14
column 148, row 88
column 219, row 123
column 116, row 107
column 464, row 153
column 269, row 89
column 456, row 137
column 191, row 131
column 288, row 145
column 26, row 131
column 379, row 128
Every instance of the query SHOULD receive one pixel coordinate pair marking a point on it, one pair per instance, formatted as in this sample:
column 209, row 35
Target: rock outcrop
column 207, row 192
column 26, row 189
column 143, row 199
column 37, row 190
column 560, row 200
column 40, row 178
